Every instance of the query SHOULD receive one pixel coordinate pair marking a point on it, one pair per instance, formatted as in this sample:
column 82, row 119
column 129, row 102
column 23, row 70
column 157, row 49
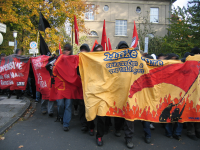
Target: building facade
column 120, row 16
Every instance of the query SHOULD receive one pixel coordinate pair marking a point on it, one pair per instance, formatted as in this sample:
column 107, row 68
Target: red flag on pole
column 104, row 38
column 135, row 37
column 76, row 30
column 60, row 50
column 95, row 43
column 109, row 45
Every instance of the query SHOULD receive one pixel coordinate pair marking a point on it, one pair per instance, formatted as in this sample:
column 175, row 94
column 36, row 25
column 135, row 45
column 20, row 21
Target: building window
column 138, row 10
column 154, row 15
column 121, row 27
column 93, row 33
column 89, row 15
column 106, row 8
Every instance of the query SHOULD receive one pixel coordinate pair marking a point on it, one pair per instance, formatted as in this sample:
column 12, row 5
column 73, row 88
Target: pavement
column 11, row 110
column 41, row 132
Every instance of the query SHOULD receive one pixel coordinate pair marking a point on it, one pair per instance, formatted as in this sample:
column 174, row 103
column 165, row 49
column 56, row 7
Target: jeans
column 65, row 110
column 146, row 128
column 169, row 130
column 45, row 103
column 37, row 96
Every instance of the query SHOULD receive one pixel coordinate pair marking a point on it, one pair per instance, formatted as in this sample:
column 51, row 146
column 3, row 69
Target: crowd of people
column 65, row 106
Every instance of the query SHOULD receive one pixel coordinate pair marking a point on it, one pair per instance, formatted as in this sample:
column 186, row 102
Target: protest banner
column 42, row 68
column 122, row 83
column 14, row 71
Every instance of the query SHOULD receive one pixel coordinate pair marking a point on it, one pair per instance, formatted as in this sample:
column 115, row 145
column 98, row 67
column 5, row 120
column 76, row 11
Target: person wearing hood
column 161, row 56
column 64, row 106
column 83, row 48
column 172, row 56
column 86, row 125
column 119, row 122
column 195, row 50
column 185, row 56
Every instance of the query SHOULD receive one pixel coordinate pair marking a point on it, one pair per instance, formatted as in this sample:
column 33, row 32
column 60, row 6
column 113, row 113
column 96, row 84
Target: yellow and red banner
column 122, row 83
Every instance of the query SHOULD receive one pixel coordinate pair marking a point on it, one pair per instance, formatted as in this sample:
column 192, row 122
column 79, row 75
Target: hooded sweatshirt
column 122, row 44
column 85, row 46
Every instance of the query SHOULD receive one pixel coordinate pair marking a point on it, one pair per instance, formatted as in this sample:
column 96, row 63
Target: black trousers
column 84, row 122
column 119, row 122
column 128, row 126
column 128, row 129
column 17, row 92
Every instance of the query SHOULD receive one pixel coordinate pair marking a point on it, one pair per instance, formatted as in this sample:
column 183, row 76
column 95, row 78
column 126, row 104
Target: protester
column 172, row 56
column 161, row 56
column 193, row 128
column 65, row 105
column 86, row 125
column 146, row 124
column 17, row 92
column 186, row 55
column 195, row 50
column 170, row 131
column 128, row 125
column 2, row 56
column 102, row 121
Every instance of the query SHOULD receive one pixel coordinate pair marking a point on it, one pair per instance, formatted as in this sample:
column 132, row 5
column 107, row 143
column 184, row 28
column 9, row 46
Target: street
column 40, row 132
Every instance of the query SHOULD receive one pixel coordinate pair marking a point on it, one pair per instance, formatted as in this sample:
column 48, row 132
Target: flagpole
column 37, row 40
column 105, row 46
column 139, row 44
column 72, row 39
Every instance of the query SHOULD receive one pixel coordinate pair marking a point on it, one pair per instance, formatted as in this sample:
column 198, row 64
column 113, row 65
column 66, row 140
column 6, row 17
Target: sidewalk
column 11, row 110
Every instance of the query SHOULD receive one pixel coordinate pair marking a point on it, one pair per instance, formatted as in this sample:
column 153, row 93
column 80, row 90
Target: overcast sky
column 180, row 3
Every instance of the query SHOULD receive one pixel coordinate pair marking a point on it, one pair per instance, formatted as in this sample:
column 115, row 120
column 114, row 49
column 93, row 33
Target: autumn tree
column 23, row 16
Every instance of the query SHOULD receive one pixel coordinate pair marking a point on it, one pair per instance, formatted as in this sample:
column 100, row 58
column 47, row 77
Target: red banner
column 66, row 81
column 14, row 71
column 42, row 74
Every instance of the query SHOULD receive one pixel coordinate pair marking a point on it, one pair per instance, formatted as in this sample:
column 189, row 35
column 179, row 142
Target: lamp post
column 15, row 43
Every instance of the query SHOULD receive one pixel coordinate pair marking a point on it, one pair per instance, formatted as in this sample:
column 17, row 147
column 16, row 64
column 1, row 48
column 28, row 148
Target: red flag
column 109, row 45
column 135, row 37
column 104, row 38
column 60, row 50
column 76, row 30
column 168, row 74
column 95, row 43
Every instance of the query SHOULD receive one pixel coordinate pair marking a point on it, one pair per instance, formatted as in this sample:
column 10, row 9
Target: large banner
column 14, row 71
column 121, row 83
column 42, row 68
column 66, row 82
